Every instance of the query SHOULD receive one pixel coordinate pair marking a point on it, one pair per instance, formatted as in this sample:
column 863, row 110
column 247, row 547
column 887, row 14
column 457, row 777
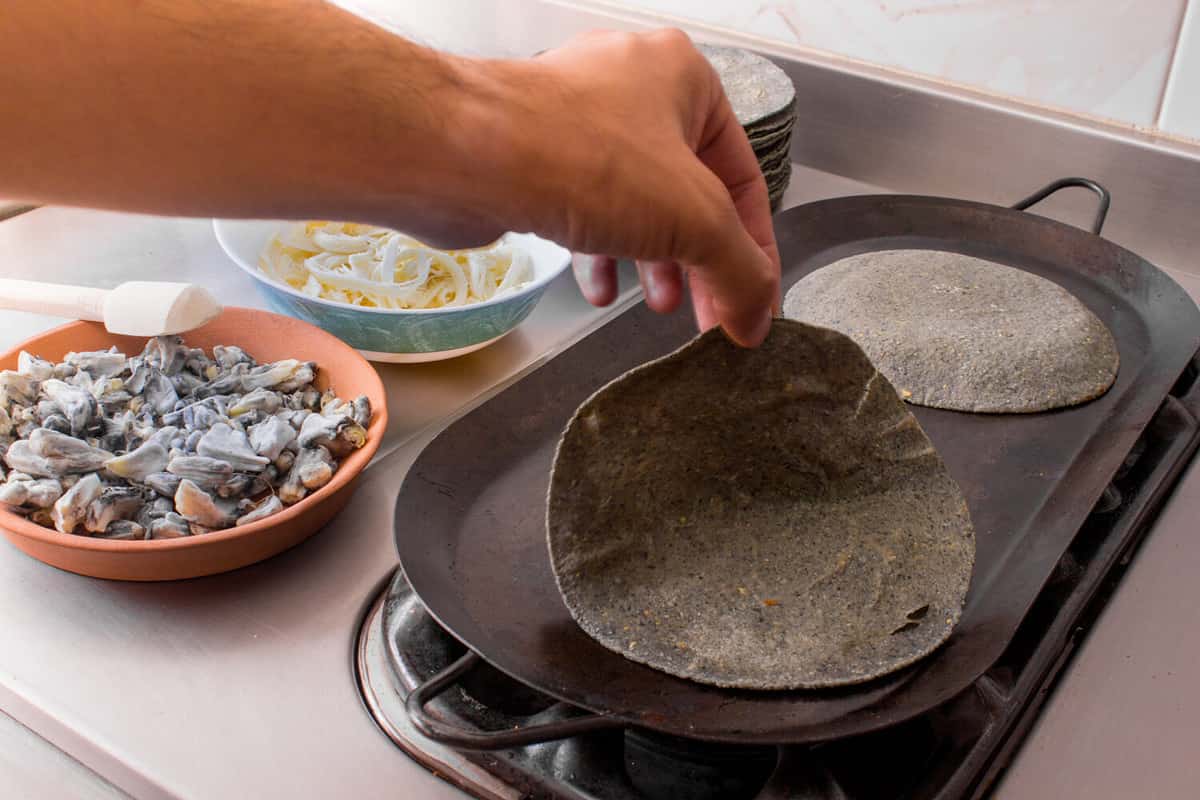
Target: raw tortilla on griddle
column 772, row 518
column 957, row 332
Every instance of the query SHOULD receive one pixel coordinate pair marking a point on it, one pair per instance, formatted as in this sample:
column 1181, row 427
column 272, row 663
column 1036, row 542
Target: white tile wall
column 450, row 25
column 1109, row 58
column 1181, row 106
column 1106, row 58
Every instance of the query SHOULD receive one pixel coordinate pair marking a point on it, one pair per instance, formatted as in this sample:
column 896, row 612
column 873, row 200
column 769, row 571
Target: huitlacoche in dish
column 172, row 442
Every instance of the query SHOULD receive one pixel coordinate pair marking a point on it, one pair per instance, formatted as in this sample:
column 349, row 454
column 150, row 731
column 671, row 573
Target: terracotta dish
column 267, row 337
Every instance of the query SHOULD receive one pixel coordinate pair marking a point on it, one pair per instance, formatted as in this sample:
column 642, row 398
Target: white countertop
column 240, row 685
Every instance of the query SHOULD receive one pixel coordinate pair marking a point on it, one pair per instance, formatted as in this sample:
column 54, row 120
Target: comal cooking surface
column 470, row 519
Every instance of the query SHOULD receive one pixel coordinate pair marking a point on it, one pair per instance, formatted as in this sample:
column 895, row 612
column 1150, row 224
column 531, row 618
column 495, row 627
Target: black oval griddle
column 470, row 517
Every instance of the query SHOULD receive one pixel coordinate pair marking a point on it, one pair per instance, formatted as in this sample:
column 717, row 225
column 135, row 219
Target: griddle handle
column 462, row 739
column 1062, row 183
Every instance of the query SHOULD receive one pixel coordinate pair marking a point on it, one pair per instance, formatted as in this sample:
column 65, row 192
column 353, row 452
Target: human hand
column 631, row 150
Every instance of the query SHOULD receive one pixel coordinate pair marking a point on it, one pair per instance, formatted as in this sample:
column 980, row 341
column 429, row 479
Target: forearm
column 226, row 107
column 619, row 145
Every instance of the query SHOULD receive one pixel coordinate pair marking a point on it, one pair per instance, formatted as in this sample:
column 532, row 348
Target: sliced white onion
column 364, row 265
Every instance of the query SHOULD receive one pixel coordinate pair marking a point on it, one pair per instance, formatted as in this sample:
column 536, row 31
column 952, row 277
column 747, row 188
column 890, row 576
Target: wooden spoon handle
column 56, row 299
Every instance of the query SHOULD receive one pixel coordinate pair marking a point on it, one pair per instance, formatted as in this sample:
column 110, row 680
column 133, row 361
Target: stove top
column 958, row 750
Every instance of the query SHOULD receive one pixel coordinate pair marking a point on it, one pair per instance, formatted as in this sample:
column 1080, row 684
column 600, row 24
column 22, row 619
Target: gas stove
column 957, row 750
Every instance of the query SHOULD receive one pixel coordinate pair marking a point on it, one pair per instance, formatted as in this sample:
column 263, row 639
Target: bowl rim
column 253, row 271
column 19, row 525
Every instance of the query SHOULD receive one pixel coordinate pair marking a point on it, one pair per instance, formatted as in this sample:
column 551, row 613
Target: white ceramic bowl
column 397, row 335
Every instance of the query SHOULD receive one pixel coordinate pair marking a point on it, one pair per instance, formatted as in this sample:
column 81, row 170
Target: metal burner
column 661, row 766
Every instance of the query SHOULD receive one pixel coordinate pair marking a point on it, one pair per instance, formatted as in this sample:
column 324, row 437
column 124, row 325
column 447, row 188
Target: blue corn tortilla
column 761, row 94
column 768, row 519
column 957, row 332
